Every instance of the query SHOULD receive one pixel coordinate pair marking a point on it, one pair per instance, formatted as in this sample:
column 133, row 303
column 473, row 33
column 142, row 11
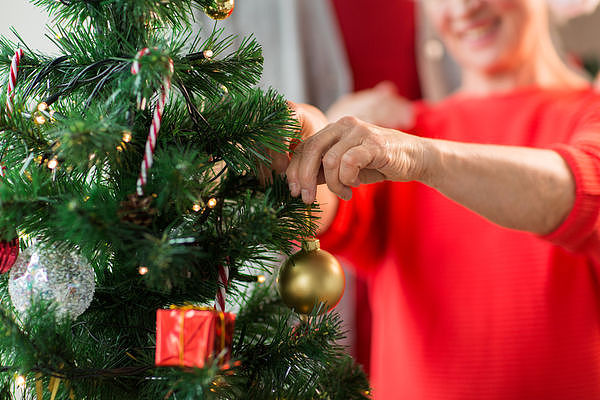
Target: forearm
column 515, row 187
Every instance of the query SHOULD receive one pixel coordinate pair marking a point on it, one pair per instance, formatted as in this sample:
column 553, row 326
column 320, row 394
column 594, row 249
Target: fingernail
column 294, row 189
column 306, row 196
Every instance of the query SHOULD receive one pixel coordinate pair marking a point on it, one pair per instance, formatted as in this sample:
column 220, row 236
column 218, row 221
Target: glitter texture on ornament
column 65, row 279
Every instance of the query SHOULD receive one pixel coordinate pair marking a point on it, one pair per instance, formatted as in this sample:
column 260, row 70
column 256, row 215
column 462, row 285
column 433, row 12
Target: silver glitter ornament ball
column 65, row 279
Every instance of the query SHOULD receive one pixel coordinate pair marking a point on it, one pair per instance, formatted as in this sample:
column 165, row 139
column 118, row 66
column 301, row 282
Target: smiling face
column 489, row 35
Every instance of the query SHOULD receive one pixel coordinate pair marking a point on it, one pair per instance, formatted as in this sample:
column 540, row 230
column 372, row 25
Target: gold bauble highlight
column 310, row 277
column 221, row 9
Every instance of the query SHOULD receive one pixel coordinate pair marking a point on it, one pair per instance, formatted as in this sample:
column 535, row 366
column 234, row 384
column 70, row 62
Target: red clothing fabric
column 463, row 308
column 379, row 38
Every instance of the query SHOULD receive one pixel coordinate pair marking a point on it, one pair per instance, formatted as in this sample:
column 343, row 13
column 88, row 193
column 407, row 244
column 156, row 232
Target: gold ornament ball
column 310, row 277
column 220, row 9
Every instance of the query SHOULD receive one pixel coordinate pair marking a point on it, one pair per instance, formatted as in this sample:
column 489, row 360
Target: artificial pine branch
column 70, row 184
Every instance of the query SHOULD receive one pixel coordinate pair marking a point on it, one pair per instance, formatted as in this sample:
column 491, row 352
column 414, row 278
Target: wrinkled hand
column 380, row 105
column 311, row 120
column 351, row 152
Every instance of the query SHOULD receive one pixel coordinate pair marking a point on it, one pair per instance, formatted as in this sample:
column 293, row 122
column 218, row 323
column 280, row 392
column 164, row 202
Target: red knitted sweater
column 462, row 308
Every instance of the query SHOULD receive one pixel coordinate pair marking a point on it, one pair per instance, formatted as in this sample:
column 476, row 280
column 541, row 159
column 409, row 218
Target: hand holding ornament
column 494, row 181
column 311, row 120
column 351, row 152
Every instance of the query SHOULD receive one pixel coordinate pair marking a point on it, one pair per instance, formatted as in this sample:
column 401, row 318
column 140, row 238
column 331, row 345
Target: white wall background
column 28, row 20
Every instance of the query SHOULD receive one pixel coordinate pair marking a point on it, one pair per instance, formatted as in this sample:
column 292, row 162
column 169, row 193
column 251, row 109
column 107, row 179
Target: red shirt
column 379, row 37
column 463, row 308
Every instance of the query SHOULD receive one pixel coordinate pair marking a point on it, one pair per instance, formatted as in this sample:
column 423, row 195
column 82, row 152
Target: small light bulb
column 207, row 54
column 212, row 203
column 143, row 270
column 20, row 381
column 196, row 207
column 72, row 205
column 40, row 119
column 42, row 106
column 52, row 164
column 261, row 279
column 119, row 148
column 126, row 136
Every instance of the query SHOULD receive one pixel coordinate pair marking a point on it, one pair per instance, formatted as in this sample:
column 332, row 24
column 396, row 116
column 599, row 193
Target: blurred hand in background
column 381, row 105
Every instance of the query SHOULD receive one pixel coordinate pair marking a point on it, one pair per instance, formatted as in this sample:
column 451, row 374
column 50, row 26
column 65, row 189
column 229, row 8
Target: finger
column 368, row 175
column 332, row 162
column 386, row 87
column 279, row 162
column 334, row 184
column 352, row 162
column 312, row 154
column 292, row 171
column 292, row 174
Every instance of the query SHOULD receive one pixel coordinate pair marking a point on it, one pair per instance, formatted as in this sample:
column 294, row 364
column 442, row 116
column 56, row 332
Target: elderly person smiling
column 484, row 273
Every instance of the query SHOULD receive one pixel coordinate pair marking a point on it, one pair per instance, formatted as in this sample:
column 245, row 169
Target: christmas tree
column 131, row 196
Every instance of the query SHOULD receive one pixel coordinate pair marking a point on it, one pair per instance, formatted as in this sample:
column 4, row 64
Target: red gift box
column 193, row 337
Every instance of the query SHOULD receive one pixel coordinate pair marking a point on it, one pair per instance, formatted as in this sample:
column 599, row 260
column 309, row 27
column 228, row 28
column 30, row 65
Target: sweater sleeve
column 357, row 234
column 580, row 231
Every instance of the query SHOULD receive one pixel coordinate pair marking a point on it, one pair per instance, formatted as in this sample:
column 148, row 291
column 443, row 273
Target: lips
column 479, row 33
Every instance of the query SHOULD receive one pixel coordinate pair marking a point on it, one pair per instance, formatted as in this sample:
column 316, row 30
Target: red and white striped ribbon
column 156, row 120
column 12, row 78
column 222, row 290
